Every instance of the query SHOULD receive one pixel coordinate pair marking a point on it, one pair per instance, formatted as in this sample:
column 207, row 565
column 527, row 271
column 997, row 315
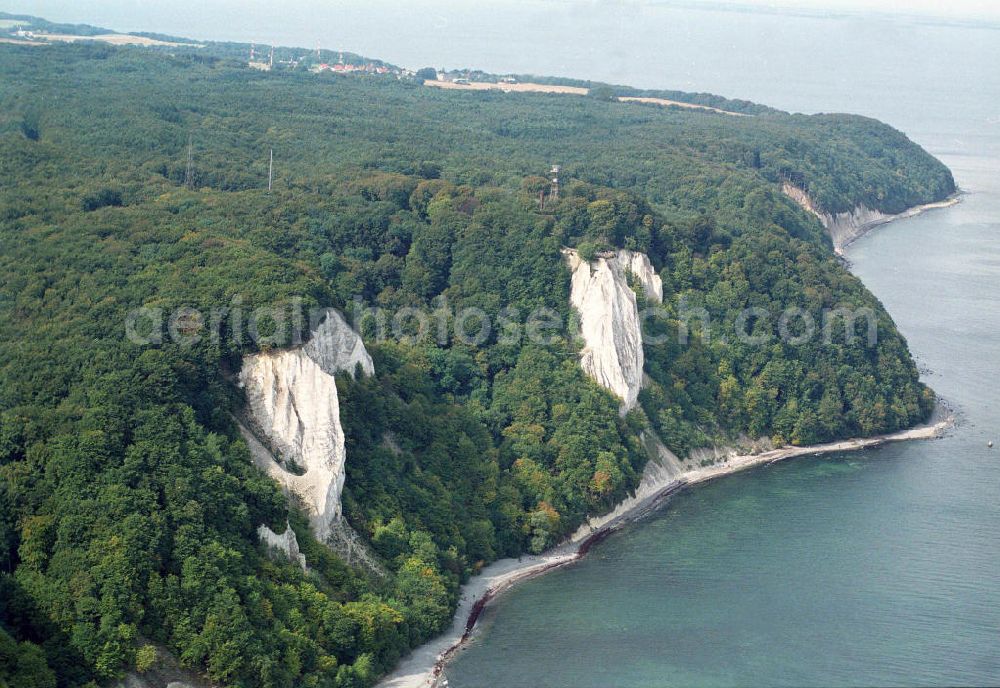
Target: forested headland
column 131, row 178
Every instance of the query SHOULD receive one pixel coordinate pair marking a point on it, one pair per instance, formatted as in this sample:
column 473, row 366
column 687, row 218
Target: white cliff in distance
column 609, row 318
column 844, row 228
column 639, row 266
column 293, row 406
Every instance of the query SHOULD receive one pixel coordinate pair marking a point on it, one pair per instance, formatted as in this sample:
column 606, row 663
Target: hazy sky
column 949, row 8
column 75, row 9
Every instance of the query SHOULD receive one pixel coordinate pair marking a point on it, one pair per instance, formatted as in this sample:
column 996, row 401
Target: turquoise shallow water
column 779, row 577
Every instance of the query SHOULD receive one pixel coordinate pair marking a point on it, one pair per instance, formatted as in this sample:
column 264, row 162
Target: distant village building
column 341, row 68
column 256, row 64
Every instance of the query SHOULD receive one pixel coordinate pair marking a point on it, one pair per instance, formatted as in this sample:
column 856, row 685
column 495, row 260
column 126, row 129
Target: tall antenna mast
column 189, row 173
column 270, row 171
column 253, row 46
column 270, row 60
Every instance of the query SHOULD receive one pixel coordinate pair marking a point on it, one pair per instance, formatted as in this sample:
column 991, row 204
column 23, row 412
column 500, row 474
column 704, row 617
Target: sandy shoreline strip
column 423, row 666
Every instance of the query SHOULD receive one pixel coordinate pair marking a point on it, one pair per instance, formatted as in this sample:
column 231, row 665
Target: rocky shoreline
column 423, row 667
column 846, row 228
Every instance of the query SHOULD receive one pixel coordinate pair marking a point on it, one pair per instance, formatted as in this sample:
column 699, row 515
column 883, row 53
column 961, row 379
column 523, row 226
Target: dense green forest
column 128, row 502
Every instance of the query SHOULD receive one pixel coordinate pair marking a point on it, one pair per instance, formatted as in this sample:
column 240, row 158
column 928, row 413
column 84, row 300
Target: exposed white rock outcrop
column 165, row 672
column 293, row 406
column 844, row 228
column 135, row 680
column 336, row 347
column 609, row 318
column 743, row 446
column 286, row 543
column 663, row 470
column 641, row 268
column 150, row 680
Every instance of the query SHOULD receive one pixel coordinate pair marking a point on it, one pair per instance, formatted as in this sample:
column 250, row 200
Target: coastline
column 952, row 200
column 847, row 227
column 423, row 667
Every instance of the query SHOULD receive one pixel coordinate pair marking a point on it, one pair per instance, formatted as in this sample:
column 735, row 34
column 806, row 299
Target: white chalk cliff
column 293, row 406
column 613, row 355
column 843, row 227
column 609, row 318
column 286, row 543
column 336, row 347
column 639, row 266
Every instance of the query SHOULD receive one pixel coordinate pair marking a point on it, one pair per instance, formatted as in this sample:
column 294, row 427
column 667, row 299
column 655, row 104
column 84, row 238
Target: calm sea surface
column 874, row 568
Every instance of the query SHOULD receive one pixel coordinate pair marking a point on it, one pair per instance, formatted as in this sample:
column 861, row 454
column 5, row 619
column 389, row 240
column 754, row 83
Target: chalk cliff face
column 335, row 347
column 285, row 543
column 843, row 227
column 292, row 404
column 166, row 672
column 609, row 318
column 639, row 266
column 663, row 469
